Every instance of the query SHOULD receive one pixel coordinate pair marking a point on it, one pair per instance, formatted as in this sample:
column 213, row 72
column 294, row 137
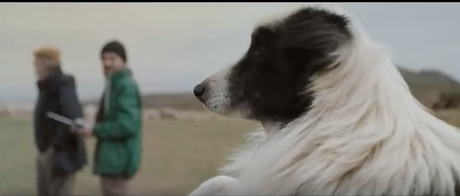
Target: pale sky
column 172, row 47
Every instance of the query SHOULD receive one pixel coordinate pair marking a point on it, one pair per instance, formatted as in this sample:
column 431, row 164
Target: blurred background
column 171, row 48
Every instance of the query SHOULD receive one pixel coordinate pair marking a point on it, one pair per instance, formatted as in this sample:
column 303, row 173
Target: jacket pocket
column 112, row 158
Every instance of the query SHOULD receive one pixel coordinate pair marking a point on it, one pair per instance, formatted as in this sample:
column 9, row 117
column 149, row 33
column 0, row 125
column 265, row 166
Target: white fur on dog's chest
column 260, row 172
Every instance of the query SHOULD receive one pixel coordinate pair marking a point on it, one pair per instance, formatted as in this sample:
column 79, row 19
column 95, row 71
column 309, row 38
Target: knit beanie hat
column 115, row 47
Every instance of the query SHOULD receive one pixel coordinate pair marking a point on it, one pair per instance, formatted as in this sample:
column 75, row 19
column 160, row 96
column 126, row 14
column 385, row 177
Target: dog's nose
column 199, row 90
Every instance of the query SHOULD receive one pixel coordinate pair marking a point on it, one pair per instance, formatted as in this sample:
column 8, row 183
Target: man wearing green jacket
column 118, row 124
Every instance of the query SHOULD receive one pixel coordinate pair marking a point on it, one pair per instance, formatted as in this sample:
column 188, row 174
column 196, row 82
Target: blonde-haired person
column 61, row 152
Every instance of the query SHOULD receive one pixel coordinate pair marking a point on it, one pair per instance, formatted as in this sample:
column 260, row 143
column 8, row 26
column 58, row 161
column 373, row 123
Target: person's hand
column 85, row 132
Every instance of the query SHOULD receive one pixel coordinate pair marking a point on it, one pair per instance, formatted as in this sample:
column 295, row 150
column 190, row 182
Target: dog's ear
column 315, row 30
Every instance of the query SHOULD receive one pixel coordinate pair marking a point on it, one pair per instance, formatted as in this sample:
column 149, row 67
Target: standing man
column 118, row 124
column 61, row 152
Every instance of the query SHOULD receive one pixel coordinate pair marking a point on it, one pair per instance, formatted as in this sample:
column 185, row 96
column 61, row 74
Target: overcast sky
column 171, row 47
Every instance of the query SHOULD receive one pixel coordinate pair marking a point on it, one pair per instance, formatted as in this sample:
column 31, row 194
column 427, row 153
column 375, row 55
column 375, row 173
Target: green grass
column 177, row 156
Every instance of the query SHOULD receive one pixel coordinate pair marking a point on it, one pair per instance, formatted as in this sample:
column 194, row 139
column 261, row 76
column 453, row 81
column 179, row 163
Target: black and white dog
column 338, row 117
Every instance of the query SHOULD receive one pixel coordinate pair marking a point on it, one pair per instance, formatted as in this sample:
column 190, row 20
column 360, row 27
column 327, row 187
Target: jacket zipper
column 107, row 95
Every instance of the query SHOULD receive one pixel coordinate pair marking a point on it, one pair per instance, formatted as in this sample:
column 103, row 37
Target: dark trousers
column 50, row 184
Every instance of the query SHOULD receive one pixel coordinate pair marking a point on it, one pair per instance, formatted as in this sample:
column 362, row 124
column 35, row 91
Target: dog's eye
column 261, row 35
column 257, row 41
column 260, row 39
column 257, row 45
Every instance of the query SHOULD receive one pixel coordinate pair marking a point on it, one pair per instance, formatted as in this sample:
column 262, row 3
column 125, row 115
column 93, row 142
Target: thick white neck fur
column 365, row 134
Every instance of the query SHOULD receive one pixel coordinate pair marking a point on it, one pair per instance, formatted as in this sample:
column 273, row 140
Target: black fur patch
column 272, row 77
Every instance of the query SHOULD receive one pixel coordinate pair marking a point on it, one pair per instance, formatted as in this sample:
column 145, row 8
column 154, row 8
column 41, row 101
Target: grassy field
column 177, row 156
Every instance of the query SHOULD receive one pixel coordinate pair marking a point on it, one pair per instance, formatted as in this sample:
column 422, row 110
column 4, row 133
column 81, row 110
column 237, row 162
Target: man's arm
column 68, row 99
column 127, row 118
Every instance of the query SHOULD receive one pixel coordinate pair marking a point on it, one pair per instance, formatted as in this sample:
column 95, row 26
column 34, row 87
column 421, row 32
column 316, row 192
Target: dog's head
column 270, row 83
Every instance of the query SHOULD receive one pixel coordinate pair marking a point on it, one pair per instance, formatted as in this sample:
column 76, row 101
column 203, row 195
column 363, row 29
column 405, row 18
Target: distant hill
column 429, row 78
column 180, row 101
column 426, row 85
column 183, row 101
